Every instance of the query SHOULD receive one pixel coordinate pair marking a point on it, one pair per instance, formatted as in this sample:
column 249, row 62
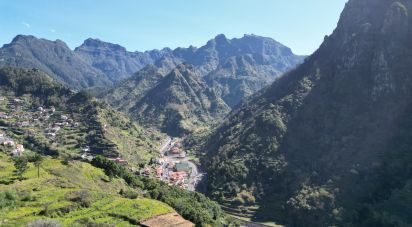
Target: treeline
column 43, row 89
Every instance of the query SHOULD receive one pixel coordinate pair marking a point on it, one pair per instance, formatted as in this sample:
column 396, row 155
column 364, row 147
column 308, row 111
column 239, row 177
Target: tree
column 20, row 163
column 38, row 160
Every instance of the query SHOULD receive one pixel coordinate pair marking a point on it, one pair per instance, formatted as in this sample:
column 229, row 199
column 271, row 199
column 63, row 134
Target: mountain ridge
column 326, row 143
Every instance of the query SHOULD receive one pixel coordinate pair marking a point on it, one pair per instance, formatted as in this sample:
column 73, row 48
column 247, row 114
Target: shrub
column 130, row 194
column 82, row 197
column 8, row 199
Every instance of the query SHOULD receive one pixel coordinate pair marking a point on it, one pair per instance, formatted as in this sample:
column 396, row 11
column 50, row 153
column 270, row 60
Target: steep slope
column 234, row 69
column 114, row 60
column 76, row 194
column 128, row 92
column 237, row 66
column 54, row 58
column 180, row 102
column 241, row 76
column 328, row 143
column 41, row 176
column 77, row 121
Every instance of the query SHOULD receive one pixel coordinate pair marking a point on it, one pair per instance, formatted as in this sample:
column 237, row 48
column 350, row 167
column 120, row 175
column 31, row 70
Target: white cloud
column 53, row 30
column 26, row 24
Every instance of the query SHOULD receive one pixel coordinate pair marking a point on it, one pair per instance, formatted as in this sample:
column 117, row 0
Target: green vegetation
column 327, row 144
column 20, row 163
column 37, row 160
column 88, row 123
column 71, row 194
column 47, row 183
column 179, row 104
column 191, row 205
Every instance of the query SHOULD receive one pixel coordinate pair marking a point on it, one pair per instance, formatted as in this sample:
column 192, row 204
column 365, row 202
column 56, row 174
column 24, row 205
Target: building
column 9, row 143
column 18, row 101
column 159, row 172
column 18, row 151
column 24, row 124
column 177, row 177
column 183, row 167
column 3, row 115
column 119, row 161
column 174, row 151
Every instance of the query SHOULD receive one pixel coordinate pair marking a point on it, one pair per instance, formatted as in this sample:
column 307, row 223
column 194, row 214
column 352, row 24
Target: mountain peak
column 20, row 38
column 220, row 37
column 92, row 43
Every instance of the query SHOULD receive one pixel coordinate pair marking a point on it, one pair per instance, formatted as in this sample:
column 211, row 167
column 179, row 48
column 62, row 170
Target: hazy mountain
column 54, row 58
column 179, row 103
column 114, row 60
column 94, row 64
column 329, row 143
column 236, row 68
column 241, row 76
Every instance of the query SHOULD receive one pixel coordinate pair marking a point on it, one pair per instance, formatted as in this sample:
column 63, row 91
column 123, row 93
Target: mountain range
column 231, row 69
column 94, row 64
column 329, row 143
column 228, row 70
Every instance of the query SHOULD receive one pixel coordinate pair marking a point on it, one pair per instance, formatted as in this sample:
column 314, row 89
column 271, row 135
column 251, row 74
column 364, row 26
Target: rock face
column 114, row 60
column 52, row 57
column 329, row 143
column 179, row 103
column 232, row 69
column 236, row 68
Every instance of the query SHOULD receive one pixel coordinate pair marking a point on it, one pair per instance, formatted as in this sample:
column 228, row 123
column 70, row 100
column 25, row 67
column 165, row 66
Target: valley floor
column 175, row 167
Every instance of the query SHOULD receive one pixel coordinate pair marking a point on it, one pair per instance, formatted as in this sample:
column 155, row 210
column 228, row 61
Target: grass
column 50, row 196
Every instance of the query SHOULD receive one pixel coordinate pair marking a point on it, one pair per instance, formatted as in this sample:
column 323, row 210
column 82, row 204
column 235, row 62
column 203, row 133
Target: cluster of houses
column 175, row 173
column 39, row 117
column 176, row 150
column 172, row 168
column 7, row 143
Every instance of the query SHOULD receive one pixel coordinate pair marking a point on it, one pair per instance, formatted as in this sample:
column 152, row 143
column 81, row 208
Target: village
column 17, row 116
column 175, row 168
column 172, row 166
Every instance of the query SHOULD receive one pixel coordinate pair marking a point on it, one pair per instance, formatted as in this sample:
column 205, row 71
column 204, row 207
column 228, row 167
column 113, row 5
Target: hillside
column 232, row 69
column 53, row 57
column 72, row 194
column 53, row 120
column 41, row 148
column 327, row 144
column 100, row 64
column 179, row 103
column 128, row 92
column 236, row 68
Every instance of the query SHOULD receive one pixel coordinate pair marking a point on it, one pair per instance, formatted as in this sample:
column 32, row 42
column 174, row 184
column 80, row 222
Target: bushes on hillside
column 191, row 205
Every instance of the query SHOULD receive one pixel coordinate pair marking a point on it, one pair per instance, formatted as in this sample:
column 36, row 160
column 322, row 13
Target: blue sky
column 153, row 24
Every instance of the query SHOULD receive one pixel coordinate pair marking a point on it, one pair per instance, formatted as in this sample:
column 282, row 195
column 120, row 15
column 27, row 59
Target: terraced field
column 72, row 194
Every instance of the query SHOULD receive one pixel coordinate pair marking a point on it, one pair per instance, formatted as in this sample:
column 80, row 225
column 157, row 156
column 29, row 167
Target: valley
column 186, row 174
column 237, row 132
